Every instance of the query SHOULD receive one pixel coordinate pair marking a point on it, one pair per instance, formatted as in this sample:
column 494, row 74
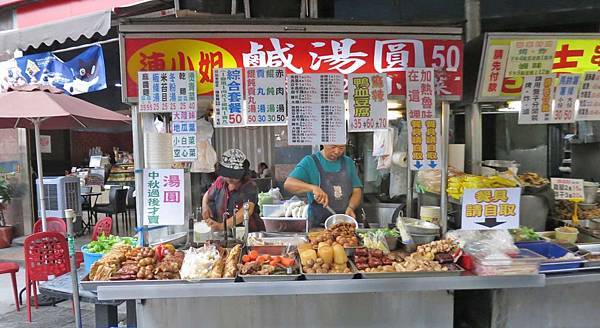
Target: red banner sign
column 299, row 55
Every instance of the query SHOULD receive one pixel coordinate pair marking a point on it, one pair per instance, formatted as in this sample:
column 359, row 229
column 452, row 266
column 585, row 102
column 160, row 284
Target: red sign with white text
column 298, row 56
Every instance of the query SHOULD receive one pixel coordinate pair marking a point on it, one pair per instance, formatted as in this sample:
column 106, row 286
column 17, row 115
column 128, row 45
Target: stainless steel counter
column 427, row 301
column 314, row 287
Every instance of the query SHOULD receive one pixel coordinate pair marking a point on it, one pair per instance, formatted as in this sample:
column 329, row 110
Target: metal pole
column 444, row 166
column 138, row 163
column 409, row 192
column 38, row 157
column 70, row 217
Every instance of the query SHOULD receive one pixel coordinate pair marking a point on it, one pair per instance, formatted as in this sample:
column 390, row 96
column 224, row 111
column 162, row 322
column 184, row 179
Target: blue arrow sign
column 432, row 164
column 418, row 165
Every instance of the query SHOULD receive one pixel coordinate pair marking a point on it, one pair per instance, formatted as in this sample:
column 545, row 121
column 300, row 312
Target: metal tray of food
column 92, row 286
column 329, row 276
column 272, row 277
column 456, row 271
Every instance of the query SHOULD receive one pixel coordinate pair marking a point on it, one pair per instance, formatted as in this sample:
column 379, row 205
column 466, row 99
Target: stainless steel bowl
column 420, row 227
column 339, row 218
column 422, row 239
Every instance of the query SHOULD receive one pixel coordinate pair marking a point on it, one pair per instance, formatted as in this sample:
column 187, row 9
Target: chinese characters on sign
column 420, row 93
column 536, row 100
column 484, row 209
column 297, row 55
column 530, row 57
column 570, row 189
column 228, row 97
column 316, row 104
column 184, row 147
column 589, row 98
column 367, row 99
column 495, row 65
column 163, row 197
column 167, row 91
column 265, row 96
column 179, row 127
column 424, row 146
column 574, row 56
column 565, row 96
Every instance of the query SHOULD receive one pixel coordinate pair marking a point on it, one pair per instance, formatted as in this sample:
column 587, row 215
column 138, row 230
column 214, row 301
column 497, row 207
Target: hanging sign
column 317, row 124
column 567, row 188
column 83, row 73
column 424, row 146
column 228, row 97
column 536, row 100
column 589, row 97
column 184, row 147
column 495, row 65
column 167, row 91
column 265, row 96
column 565, row 96
column 485, row 209
column 530, row 57
column 317, row 112
column 46, row 144
column 297, row 55
column 367, row 100
column 316, row 89
column 183, row 127
column 572, row 54
column 163, row 197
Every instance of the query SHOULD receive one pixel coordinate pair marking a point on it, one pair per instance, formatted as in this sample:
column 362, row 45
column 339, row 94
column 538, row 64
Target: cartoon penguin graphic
column 85, row 78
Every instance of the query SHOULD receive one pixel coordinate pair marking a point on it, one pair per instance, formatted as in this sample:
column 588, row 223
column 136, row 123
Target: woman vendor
column 330, row 179
column 226, row 196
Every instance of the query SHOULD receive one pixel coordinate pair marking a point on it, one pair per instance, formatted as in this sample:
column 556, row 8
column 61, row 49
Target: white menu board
column 569, row 189
column 315, row 89
column 565, row 96
column 424, row 132
column 530, row 57
column 589, row 98
column 228, row 97
column 316, row 124
column 420, row 93
column 536, row 100
column 265, row 96
column 166, row 91
column 367, row 100
column 316, row 109
column 164, row 197
column 184, row 147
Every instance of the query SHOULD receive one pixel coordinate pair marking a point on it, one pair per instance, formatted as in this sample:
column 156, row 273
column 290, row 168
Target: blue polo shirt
column 308, row 172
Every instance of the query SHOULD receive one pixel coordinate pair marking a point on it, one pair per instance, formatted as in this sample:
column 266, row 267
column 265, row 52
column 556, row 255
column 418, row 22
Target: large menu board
column 316, row 103
column 228, row 97
column 265, row 96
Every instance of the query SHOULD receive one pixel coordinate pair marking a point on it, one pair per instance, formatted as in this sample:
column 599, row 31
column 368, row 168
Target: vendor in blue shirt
column 329, row 178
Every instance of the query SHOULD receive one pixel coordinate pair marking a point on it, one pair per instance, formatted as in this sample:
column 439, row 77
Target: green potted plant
column 6, row 231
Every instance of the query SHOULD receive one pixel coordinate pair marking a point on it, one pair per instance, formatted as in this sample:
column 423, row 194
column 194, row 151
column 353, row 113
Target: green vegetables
column 524, row 234
column 105, row 244
column 389, row 232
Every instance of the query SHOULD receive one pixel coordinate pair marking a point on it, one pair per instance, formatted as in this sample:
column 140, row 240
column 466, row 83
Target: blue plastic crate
column 551, row 251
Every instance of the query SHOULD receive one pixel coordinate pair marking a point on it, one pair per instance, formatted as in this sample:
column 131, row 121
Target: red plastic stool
column 12, row 268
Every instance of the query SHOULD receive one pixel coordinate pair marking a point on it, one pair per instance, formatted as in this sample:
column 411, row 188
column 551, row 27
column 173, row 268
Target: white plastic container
column 275, row 211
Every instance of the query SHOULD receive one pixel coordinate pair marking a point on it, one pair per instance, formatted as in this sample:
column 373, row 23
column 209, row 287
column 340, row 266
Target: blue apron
column 337, row 186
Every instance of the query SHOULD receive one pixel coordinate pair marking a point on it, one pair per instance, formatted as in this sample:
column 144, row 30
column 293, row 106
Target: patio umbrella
column 42, row 107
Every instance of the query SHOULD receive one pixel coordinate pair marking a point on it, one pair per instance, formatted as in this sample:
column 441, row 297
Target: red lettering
column 563, row 56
